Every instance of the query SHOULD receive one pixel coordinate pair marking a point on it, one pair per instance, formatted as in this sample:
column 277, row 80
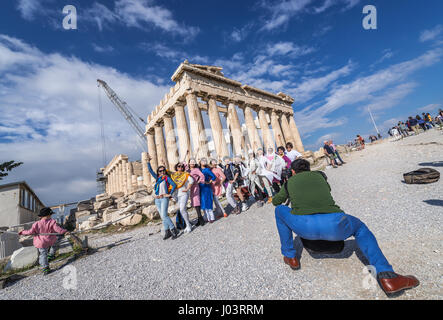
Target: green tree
column 8, row 166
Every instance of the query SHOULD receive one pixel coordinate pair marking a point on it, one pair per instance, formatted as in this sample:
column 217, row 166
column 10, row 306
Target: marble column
column 221, row 148
column 298, row 143
column 266, row 133
column 114, row 180
column 278, row 134
column 198, row 134
column 107, row 184
column 119, row 176
column 122, row 177
column 162, row 159
column 152, row 149
column 286, row 129
column 129, row 173
column 235, row 128
column 145, row 170
column 111, row 181
column 182, row 133
column 254, row 137
column 171, row 145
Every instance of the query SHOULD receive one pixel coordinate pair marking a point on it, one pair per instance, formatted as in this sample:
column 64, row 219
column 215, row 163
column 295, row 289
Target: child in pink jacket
column 45, row 243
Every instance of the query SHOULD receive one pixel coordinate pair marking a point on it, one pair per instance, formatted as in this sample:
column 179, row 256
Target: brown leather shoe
column 292, row 262
column 398, row 284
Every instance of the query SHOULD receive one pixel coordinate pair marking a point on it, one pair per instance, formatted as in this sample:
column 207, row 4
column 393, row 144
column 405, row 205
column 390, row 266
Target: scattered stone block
column 151, row 212
column 103, row 204
column 117, row 195
column 310, row 160
column 85, row 205
column 121, row 205
column 82, row 213
column 172, row 209
column 22, row 258
column 110, row 215
column 93, row 218
column 132, row 220
column 87, row 224
column 102, row 197
column 308, row 154
column 128, row 209
column 146, row 201
column 319, row 154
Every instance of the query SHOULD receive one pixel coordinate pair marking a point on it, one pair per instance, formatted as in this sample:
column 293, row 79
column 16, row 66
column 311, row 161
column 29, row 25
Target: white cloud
column 433, row 107
column 387, row 54
column 50, row 119
column 283, row 11
column 102, row 49
column 288, row 48
column 239, row 34
column 432, row 34
column 141, row 14
column 137, row 13
column 391, row 97
column 387, row 83
column 361, row 89
column 311, row 86
column 29, row 8
column 99, row 14
column 172, row 54
column 329, row 136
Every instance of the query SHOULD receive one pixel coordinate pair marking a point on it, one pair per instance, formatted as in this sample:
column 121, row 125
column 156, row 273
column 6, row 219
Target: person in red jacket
column 45, row 243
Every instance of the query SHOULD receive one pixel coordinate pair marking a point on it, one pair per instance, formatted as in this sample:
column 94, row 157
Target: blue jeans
column 162, row 207
column 338, row 156
column 43, row 255
column 328, row 226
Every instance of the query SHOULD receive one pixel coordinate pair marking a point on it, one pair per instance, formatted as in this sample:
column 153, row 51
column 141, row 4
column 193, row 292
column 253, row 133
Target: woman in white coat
column 184, row 182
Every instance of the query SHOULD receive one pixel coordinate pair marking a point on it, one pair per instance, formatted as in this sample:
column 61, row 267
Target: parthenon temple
column 204, row 88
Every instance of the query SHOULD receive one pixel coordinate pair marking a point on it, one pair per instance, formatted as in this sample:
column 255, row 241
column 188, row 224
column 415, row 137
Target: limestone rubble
column 105, row 208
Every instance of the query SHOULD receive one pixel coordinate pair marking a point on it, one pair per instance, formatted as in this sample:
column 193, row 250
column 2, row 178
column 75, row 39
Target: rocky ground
column 239, row 257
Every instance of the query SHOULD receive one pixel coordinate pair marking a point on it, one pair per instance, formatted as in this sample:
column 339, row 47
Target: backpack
column 422, row 176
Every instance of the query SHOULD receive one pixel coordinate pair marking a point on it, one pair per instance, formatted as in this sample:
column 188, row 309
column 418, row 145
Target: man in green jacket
column 315, row 216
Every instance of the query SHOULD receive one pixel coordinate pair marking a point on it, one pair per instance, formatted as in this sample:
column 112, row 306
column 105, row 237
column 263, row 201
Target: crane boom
column 123, row 108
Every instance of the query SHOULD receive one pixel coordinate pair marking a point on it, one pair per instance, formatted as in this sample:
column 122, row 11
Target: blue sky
column 315, row 50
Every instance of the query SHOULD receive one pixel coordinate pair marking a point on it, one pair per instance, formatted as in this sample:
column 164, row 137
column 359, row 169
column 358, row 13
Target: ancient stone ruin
column 128, row 185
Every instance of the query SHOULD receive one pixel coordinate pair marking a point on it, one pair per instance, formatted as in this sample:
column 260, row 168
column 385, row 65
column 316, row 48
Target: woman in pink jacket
column 45, row 243
column 217, row 185
column 198, row 177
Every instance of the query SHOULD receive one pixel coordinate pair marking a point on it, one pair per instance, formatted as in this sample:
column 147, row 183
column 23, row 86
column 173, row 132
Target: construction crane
column 128, row 114
column 125, row 110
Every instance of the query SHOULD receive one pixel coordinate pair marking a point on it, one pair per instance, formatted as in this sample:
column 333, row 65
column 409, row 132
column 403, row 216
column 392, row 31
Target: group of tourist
column 416, row 125
column 332, row 153
column 260, row 175
column 303, row 201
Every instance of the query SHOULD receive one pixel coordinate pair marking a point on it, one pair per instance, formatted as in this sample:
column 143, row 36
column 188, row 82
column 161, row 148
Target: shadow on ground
column 434, row 202
column 348, row 250
column 432, row 164
column 114, row 244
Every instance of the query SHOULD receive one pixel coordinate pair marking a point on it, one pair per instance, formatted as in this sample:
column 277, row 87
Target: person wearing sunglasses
column 184, row 182
column 164, row 187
